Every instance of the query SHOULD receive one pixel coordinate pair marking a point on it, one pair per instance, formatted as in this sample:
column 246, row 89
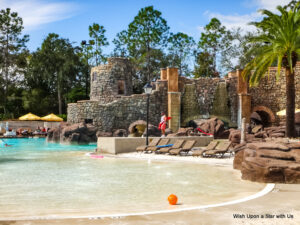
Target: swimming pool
column 40, row 179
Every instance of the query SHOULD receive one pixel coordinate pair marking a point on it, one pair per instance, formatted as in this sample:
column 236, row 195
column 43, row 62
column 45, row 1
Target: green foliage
column 219, row 44
column 204, row 66
column 76, row 94
column 6, row 116
column 279, row 41
column 120, row 44
column 13, row 54
column 63, row 116
column 143, row 41
column 212, row 40
column 97, row 33
column 180, row 50
column 37, row 101
column 55, row 67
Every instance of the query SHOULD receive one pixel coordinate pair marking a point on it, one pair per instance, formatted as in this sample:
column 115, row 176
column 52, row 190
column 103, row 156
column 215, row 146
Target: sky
column 71, row 18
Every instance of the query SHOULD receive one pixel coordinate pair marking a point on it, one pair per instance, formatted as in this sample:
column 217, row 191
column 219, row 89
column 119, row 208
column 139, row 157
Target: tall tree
column 214, row 40
column 85, row 53
column 120, row 44
column 97, row 33
column 145, row 35
column 204, row 66
column 55, row 66
column 13, row 52
column 181, row 47
column 246, row 50
column 280, row 40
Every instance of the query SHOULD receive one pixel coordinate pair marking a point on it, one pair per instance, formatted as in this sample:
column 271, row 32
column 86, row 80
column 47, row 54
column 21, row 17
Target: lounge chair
column 198, row 151
column 153, row 142
column 162, row 142
column 220, row 150
column 177, row 144
column 185, row 148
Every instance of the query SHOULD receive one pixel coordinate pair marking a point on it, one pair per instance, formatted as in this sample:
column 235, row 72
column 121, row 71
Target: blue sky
column 71, row 18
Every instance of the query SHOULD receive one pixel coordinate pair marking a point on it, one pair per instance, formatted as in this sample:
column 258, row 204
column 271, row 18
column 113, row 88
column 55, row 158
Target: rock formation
column 215, row 127
column 258, row 134
column 79, row 133
column 269, row 162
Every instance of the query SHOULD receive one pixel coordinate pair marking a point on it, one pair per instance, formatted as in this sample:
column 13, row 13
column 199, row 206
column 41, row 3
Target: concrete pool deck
column 282, row 201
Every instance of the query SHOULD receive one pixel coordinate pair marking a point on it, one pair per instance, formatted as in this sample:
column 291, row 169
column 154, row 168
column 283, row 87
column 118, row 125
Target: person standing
column 163, row 124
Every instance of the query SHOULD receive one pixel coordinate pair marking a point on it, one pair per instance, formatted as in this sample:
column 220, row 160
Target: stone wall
column 199, row 95
column 119, row 114
column 233, row 98
column 111, row 81
column 271, row 94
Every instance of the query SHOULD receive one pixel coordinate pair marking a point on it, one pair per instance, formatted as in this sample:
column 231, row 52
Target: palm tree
column 280, row 39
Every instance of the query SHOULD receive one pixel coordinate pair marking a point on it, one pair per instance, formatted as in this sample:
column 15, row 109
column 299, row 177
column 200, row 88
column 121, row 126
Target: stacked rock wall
column 111, row 81
column 205, row 89
column 119, row 114
column 113, row 106
column 271, row 93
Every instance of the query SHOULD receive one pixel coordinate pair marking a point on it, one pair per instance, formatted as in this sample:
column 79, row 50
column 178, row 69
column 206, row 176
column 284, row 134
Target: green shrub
column 64, row 116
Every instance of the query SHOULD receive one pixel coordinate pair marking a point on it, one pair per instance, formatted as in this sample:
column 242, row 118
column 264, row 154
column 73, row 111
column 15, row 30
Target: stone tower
column 111, row 81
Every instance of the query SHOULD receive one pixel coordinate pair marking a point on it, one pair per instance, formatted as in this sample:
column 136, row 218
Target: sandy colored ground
column 283, row 201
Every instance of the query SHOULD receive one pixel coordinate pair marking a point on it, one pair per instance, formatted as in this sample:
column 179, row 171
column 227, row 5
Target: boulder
column 213, row 126
column 75, row 137
column 257, row 128
column 120, row 133
column 238, row 159
column 261, row 134
column 75, row 133
column 103, row 134
column 235, row 136
column 85, row 139
column 183, row 131
column 269, row 162
column 137, row 127
column 297, row 118
column 53, row 135
column 153, row 131
column 256, row 117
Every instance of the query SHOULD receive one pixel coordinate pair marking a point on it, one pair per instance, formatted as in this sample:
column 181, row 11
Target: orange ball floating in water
column 172, row 199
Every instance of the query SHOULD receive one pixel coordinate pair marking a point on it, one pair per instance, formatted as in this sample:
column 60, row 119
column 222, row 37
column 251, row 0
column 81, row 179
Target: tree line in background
column 57, row 73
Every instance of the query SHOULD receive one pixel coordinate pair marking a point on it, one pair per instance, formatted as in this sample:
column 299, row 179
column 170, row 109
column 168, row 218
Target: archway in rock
column 266, row 114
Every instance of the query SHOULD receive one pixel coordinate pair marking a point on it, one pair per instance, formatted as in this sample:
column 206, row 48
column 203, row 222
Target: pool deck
column 282, row 201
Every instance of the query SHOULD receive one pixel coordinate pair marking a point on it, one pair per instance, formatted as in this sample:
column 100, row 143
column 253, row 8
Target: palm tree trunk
column 290, row 103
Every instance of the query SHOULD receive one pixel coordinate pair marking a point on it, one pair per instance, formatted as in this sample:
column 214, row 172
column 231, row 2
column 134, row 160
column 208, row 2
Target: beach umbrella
column 30, row 116
column 52, row 117
column 283, row 112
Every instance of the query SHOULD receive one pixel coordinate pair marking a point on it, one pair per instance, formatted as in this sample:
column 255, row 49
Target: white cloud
column 270, row 4
column 236, row 20
column 37, row 12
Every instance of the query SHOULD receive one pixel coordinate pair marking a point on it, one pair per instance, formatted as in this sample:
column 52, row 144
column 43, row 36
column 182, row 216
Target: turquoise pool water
column 40, row 179
column 23, row 145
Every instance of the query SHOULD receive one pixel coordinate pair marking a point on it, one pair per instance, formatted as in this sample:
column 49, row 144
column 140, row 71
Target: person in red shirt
column 163, row 124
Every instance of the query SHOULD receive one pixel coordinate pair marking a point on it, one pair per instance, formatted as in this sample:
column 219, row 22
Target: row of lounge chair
column 181, row 147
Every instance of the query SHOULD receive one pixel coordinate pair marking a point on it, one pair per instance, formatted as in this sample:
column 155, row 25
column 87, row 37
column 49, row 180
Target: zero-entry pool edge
column 267, row 189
